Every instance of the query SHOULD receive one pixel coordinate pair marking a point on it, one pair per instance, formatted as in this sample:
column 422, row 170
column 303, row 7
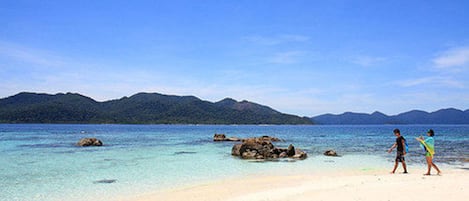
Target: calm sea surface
column 40, row 161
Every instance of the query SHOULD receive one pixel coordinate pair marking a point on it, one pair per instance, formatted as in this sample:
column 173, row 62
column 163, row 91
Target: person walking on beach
column 401, row 152
column 429, row 146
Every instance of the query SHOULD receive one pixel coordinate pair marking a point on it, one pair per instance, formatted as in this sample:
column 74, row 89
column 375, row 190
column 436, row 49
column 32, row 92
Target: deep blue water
column 40, row 161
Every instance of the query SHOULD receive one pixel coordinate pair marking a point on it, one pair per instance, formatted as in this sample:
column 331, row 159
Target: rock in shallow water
column 84, row 142
column 263, row 149
column 330, row 153
column 222, row 137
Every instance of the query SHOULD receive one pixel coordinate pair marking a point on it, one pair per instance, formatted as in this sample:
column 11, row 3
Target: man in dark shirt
column 400, row 144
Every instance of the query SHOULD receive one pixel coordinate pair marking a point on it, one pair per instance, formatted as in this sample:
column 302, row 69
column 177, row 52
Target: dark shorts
column 400, row 156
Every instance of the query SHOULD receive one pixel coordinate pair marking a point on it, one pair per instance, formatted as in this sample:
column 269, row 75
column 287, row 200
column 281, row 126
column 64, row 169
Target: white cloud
column 455, row 59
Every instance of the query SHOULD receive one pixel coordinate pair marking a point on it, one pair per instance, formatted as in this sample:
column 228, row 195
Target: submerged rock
column 184, row 152
column 105, row 181
column 89, row 142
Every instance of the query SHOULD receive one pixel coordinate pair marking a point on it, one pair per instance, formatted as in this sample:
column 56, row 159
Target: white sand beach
column 377, row 185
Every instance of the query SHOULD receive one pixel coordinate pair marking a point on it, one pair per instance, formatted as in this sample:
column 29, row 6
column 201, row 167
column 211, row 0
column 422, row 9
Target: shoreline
column 339, row 185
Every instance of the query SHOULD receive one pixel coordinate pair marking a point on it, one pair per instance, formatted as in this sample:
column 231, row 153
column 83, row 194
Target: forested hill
column 141, row 108
column 443, row 116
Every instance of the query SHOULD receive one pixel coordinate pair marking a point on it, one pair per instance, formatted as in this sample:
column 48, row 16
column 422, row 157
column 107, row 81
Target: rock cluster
column 84, row 142
column 262, row 148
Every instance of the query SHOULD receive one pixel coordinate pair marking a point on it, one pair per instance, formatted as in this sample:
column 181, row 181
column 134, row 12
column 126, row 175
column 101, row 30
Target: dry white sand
column 378, row 185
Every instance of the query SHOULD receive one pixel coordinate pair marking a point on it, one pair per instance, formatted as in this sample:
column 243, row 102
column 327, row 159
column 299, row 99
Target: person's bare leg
column 405, row 166
column 429, row 164
column 436, row 168
column 395, row 167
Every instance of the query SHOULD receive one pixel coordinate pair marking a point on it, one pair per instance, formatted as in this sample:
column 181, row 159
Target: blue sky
column 299, row 57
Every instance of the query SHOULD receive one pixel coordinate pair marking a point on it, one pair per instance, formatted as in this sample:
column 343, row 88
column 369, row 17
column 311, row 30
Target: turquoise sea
column 40, row 161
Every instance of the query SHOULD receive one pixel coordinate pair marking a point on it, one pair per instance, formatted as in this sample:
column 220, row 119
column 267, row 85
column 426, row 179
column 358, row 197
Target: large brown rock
column 256, row 148
column 290, row 150
column 235, row 150
column 89, row 142
column 262, row 148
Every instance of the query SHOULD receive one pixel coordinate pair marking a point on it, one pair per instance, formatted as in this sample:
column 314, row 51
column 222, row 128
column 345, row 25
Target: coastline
column 340, row 185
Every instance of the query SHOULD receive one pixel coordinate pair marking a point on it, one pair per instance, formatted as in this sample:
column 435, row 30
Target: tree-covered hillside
column 141, row 108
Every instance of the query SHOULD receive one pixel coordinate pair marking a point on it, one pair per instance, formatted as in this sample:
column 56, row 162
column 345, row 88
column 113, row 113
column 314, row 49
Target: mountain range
column 141, row 108
column 443, row 116
column 155, row 108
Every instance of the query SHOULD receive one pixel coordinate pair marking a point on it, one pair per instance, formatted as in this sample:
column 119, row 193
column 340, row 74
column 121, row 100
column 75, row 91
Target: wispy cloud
column 434, row 81
column 453, row 59
column 41, row 70
column 448, row 70
column 29, row 55
column 276, row 40
column 367, row 61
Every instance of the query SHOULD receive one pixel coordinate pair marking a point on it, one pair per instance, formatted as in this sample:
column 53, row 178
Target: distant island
column 443, row 116
column 155, row 108
column 141, row 108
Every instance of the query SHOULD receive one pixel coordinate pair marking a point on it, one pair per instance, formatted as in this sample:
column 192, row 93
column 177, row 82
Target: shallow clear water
column 40, row 161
